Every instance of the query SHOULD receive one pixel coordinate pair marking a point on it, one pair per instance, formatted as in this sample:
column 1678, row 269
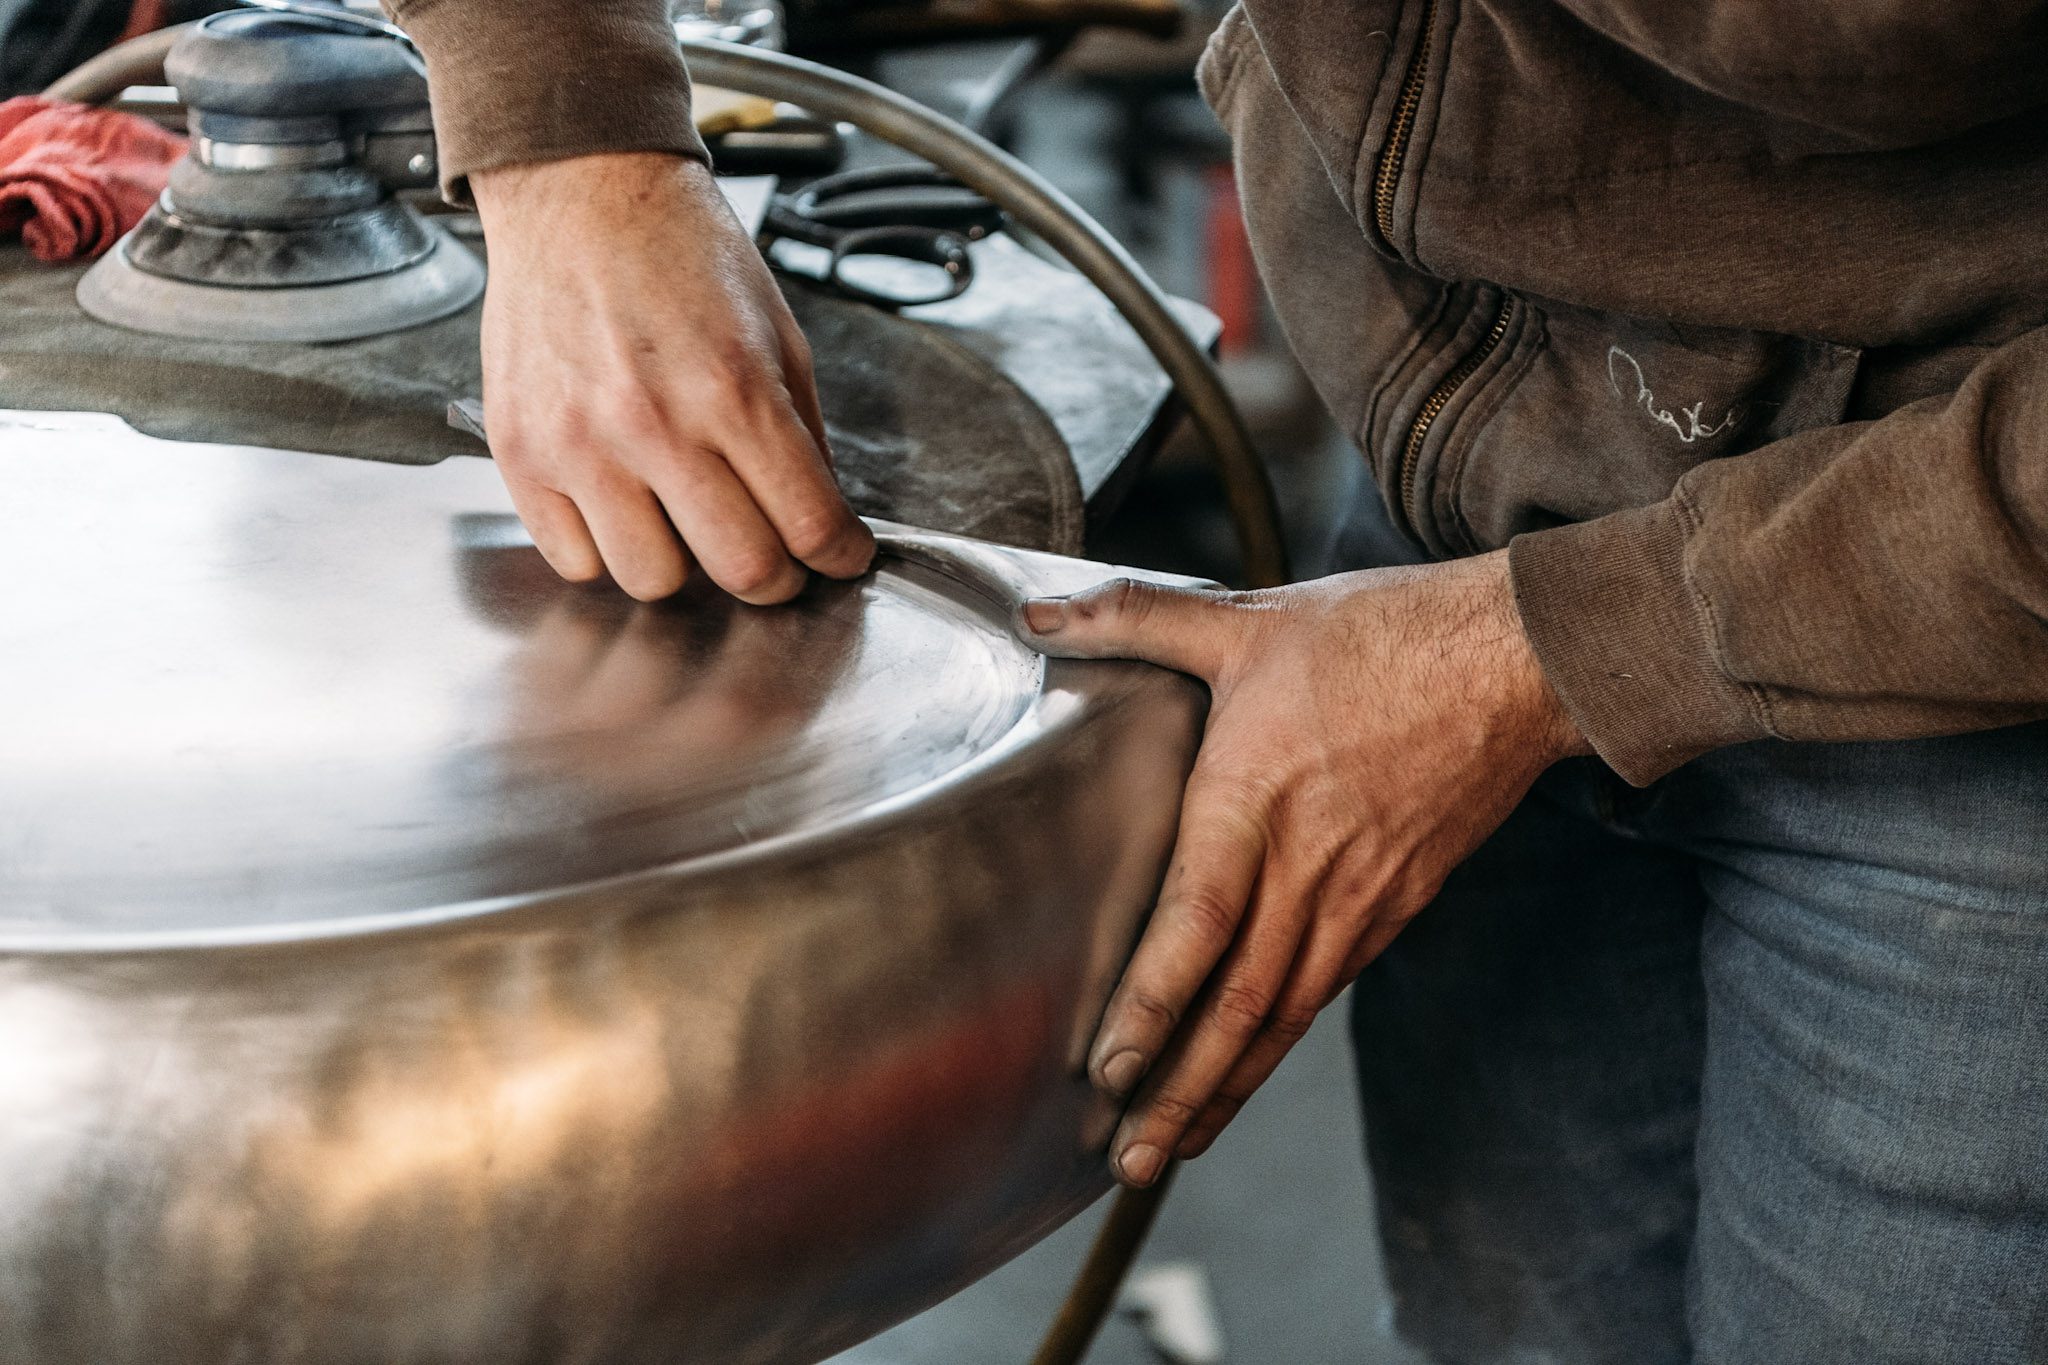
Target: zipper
column 1439, row 399
column 1386, row 183
column 1387, row 179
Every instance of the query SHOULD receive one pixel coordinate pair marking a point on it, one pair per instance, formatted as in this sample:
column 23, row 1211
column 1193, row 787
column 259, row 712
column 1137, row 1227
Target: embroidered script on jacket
column 1687, row 431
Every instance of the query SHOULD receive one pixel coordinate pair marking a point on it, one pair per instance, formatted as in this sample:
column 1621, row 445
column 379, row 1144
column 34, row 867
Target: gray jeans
column 1747, row 1068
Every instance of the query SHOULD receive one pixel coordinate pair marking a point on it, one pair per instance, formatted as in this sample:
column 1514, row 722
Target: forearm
column 546, row 80
column 1883, row 580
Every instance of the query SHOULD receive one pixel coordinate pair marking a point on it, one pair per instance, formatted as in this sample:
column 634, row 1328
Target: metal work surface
column 924, row 430
column 251, row 711
column 408, row 956
column 1063, row 344
column 1031, row 359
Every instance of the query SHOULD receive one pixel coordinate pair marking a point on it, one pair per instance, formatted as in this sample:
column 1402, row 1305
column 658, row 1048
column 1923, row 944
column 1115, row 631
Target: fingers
column 557, row 528
column 781, row 464
column 803, row 388
column 752, row 539
column 720, row 521
column 1318, row 974
column 1201, row 907
column 634, row 536
column 1351, row 921
column 1240, row 1004
column 1185, row 629
column 1229, row 1015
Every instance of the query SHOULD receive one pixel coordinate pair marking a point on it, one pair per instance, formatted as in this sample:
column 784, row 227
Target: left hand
column 1366, row 732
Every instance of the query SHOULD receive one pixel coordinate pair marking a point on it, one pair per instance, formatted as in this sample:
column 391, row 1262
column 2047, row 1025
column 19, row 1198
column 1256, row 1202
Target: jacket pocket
column 1576, row 414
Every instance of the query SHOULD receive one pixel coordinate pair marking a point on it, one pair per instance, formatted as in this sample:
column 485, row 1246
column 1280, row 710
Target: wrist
column 601, row 188
column 1529, row 707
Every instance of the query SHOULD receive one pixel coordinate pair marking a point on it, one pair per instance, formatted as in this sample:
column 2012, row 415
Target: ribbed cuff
column 1626, row 641
column 545, row 80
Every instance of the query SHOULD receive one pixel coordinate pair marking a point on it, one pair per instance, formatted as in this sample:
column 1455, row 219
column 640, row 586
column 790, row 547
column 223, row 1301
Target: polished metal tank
column 406, row 956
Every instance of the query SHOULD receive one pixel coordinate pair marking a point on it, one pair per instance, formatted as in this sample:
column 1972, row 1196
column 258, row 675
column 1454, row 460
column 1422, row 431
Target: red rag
column 73, row 179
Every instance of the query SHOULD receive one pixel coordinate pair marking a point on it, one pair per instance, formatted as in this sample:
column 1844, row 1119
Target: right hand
column 648, row 394
column 1366, row 732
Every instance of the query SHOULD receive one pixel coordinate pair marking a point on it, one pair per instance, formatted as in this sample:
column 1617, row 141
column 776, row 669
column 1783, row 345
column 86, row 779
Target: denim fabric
column 1749, row 1067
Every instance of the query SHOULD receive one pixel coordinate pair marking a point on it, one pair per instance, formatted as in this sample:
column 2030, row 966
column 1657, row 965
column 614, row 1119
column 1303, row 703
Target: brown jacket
column 517, row 81
column 1730, row 319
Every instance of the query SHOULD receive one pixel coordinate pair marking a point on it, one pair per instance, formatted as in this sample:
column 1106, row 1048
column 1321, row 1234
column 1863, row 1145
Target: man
column 1706, row 347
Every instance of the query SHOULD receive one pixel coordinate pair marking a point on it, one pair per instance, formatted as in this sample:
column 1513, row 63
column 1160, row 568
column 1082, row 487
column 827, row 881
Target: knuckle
column 1289, row 1025
column 1356, row 887
column 514, row 456
column 1255, row 805
column 1212, row 914
column 1124, row 598
column 634, row 412
column 1239, row 1007
column 732, row 370
column 548, row 460
column 755, row 575
column 816, row 531
column 594, row 483
column 1173, row 1108
column 1162, row 1016
column 1238, row 788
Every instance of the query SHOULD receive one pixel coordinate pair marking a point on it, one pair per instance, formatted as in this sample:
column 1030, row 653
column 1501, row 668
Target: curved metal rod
column 139, row 61
column 1056, row 220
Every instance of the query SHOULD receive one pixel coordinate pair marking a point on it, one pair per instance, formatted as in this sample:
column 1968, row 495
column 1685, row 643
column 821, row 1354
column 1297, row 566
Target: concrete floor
column 1278, row 1215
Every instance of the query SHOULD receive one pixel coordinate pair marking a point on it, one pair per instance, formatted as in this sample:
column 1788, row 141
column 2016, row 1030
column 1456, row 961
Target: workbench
column 1061, row 347
column 1061, row 343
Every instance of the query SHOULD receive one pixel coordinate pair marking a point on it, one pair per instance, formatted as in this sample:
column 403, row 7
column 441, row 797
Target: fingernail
column 1139, row 1165
column 1045, row 615
column 1121, row 1073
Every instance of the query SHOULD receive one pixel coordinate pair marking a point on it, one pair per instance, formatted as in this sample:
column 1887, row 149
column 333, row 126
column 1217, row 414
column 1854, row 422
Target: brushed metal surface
column 405, row 956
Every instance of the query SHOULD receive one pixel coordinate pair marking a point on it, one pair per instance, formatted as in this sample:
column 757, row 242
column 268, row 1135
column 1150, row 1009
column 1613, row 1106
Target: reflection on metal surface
column 253, row 711
column 407, row 956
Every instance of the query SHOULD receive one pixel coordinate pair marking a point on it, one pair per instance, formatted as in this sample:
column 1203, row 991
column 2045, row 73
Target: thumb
column 1184, row 629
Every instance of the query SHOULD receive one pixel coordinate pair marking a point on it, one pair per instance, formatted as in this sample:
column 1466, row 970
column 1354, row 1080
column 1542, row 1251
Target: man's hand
column 1366, row 732
column 648, row 394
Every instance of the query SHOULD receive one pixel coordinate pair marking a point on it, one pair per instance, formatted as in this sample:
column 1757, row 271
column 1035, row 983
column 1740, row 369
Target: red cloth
column 73, row 179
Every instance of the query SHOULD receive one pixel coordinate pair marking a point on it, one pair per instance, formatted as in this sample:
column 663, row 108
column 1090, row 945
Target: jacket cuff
column 1627, row 642
column 545, row 80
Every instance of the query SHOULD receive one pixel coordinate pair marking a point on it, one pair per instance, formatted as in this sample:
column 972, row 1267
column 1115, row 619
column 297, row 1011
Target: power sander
column 282, row 223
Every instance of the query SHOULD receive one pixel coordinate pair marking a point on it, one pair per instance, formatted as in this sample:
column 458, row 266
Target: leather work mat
column 923, row 430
